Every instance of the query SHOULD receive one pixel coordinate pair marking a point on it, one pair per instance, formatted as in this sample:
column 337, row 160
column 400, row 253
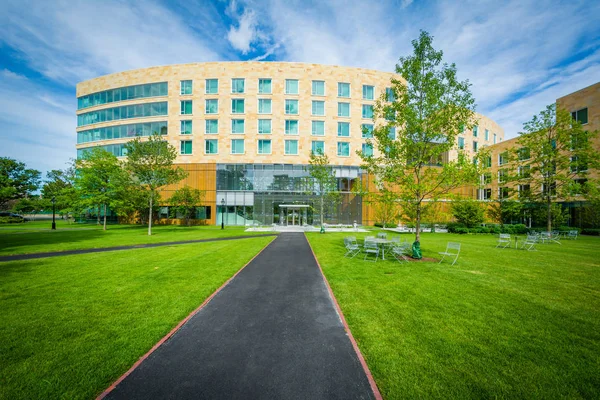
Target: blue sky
column 519, row 55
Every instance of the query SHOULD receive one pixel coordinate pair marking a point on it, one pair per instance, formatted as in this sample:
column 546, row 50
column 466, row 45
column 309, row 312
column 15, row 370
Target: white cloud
column 242, row 37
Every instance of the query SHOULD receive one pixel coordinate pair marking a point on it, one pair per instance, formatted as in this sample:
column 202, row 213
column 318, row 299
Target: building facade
column 245, row 131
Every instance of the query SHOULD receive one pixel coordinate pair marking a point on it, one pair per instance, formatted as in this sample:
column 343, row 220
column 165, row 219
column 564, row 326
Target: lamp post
column 53, row 213
column 222, row 213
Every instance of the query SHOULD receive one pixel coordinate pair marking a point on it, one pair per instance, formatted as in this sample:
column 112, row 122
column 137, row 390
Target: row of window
column 265, row 106
column 461, row 140
column 122, row 131
column 123, row 112
column 122, row 94
column 524, row 191
column 292, row 87
column 264, row 146
column 291, row 127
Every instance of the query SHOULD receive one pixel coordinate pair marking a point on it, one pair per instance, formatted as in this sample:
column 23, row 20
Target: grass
column 36, row 237
column 501, row 323
column 71, row 325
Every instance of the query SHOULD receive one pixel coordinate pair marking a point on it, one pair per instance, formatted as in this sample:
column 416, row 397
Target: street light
column 53, row 211
column 222, row 213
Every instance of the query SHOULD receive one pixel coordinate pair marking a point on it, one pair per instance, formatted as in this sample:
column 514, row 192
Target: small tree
column 16, row 181
column 185, row 201
column 427, row 110
column 324, row 183
column 553, row 151
column 98, row 175
column 467, row 212
column 151, row 164
column 504, row 211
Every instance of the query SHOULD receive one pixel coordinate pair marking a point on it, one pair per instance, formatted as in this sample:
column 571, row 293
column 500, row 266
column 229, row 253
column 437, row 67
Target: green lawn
column 71, row 325
column 501, row 323
column 35, row 237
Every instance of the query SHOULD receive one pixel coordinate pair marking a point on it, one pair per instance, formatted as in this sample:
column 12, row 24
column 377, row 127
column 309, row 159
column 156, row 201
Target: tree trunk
column 322, row 202
column 418, row 224
column 150, row 217
column 98, row 216
column 549, row 208
column 104, row 228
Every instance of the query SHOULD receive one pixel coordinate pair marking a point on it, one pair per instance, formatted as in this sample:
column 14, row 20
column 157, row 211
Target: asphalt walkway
column 272, row 333
column 31, row 256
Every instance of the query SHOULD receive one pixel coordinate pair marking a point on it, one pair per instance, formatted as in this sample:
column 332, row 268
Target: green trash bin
column 416, row 251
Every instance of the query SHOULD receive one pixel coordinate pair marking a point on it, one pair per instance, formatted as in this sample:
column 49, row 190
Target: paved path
column 30, row 256
column 272, row 333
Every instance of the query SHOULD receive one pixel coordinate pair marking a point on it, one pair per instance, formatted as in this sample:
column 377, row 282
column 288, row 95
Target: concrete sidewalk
column 272, row 333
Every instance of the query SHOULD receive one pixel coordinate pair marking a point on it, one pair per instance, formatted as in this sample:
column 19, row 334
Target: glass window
column 343, row 149
column 343, row 129
column 211, row 146
column 186, row 107
column 186, row 87
column 212, row 126
column 212, row 86
column 264, row 146
column 291, row 127
column 212, row 106
column 524, row 153
column 392, row 133
column 343, row 109
column 237, row 146
column 264, row 126
column 186, row 127
column 318, row 88
column 474, row 145
column 237, row 106
column 237, row 85
column 318, row 108
column 581, row 116
column 291, row 107
column 367, row 149
column 368, row 92
column 264, row 106
column 318, row 128
column 123, row 112
column 343, row 89
column 186, row 147
column 367, row 111
column 475, row 131
column 237, row 126
column 318, row 147
column 264, row 86
column 494, row 138
column 461, row 143
column 389, row 94
column 291, row 86
column 291, row 147
column 487, row 135
column 367, row 131
column 502, row 158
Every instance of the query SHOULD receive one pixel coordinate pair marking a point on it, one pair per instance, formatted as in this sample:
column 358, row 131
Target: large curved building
column 245, row 130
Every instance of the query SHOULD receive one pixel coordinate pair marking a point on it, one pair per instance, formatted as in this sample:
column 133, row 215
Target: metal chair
column 371, row 248
column 452, row 250
column 382, row 235
column 503, row 240
column 572, row 235
column 352, row 248
column 400, row 251
column 530, row 242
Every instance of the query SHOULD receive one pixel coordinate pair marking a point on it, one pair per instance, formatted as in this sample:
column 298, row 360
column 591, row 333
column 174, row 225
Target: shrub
column 590, row 231
column 467, row 212
column 387, row 225
column 11, row 220
column 461, row 230
column 452, row 226
column 569, row 228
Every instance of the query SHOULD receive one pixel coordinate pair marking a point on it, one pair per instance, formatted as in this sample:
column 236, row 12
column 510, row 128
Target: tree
column 59, row 184
column 553, row 155
column 151, row 164
column 467, row 212
column 505, row 211
column 185, row 201
column 16, row 181
column 427, row 109
column 98, row 175
column 324, row 182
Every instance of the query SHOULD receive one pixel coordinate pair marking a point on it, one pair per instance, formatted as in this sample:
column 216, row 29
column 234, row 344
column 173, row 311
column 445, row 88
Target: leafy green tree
column 505, row 211
column 427, row 109
column 16, row 181
column 553, row 156
column 30, row 205
column 59, row 184
column 151, row 164
column 468, row 212
column 185, row 202
column 323, row 183
column 97, row 179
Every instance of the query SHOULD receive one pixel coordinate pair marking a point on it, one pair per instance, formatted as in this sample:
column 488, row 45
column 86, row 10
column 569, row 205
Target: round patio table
column 381, row 243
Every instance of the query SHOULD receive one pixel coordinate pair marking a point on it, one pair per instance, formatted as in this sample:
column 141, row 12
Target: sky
column 518, row 55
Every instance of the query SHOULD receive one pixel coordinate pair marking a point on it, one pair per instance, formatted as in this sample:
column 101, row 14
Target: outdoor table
column 382, row 243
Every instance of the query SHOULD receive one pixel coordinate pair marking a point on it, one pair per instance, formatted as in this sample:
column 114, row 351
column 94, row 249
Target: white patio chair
column 452, row 250
column 400, row 251
column 371, row 248
column 503, row 240
column 530, row 242
column 352, row 248
column 382, row 235
column 572, row 235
